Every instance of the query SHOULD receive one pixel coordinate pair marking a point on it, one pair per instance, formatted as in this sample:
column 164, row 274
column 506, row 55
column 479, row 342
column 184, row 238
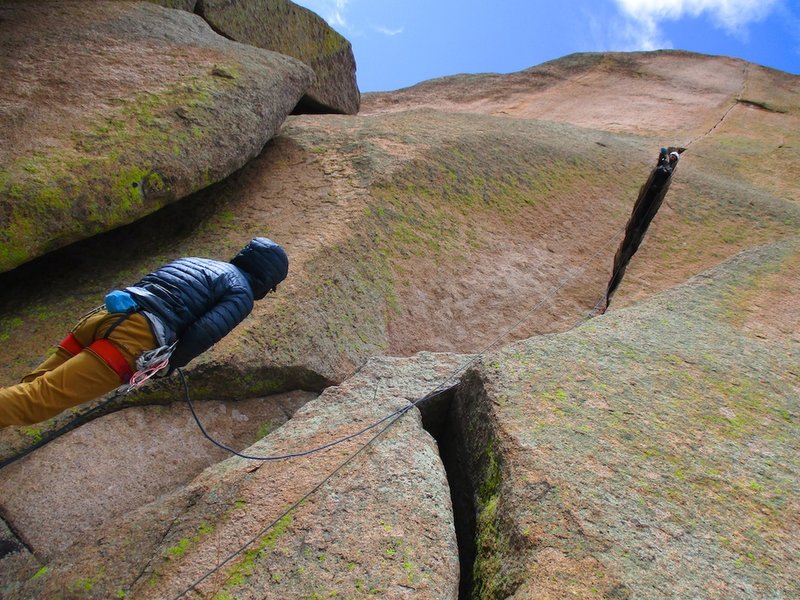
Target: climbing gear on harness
column 103, row 348
column 386, row 421
column 152, row 363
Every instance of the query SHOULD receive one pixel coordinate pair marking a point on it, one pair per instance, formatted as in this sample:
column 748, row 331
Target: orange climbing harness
column 105, row 350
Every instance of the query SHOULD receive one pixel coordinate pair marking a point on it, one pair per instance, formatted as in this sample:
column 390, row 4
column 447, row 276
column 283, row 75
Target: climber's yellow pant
column 63, row 381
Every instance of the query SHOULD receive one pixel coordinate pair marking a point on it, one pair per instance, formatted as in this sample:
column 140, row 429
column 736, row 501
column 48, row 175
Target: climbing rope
column 736, row 101
column 292, row 454
column 289, row 510
column 441, row 388
column 141, row 376
column 389, row 419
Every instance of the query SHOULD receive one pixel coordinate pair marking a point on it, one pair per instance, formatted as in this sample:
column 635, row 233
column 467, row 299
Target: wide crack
column 439, row 419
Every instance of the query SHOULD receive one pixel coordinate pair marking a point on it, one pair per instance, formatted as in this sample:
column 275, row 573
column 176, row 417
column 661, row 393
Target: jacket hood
column 264, row 263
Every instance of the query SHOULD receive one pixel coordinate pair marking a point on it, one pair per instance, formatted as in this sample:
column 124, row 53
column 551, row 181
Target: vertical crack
column 439, row 420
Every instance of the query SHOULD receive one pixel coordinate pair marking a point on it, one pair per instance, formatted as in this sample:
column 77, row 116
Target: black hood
column 264, row 263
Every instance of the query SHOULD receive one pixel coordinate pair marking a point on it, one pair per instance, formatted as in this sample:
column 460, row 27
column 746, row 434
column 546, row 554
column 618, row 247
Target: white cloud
column 333, row 11
column 387, row 31
column 337, row 16
column 644, row 16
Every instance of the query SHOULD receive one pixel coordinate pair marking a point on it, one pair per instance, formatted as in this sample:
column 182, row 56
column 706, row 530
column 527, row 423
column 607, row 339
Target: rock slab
column 355, row 520
column 108, row 467
column 111, row 110
column 650, row 453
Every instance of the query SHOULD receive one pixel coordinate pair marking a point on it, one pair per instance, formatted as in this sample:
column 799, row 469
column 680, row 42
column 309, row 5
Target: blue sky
column 398, row 43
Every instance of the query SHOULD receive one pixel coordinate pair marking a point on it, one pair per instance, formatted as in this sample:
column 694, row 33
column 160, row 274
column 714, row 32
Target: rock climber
column 651, row 195
column 667, row 161
column 187, row 306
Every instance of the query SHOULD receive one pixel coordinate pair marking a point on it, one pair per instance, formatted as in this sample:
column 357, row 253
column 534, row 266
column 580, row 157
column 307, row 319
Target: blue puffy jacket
column 200, row 300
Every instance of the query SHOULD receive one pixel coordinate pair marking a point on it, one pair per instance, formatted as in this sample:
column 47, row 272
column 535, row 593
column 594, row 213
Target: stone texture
column 285, row 27
column 436, row 230
column 430, row 229
column 187, row 5
column 17, row 563
column 84, row 480
column 649, row 453
column 373, row 521
column 112, row 110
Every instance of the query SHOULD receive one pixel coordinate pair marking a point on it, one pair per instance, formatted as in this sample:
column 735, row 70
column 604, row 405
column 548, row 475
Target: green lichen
column 103, row 172
column 87, row 583
column 184, row 544
column 266, row 428
column 490, row 578
column 333, row 42
column 246, row 567
column 410, row 571
column 9, row 326
column 33, row 433
column 128, row 186
column 40, row 573
column 179, row 549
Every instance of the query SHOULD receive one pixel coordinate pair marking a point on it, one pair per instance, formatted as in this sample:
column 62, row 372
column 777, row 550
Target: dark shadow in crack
column 439, row 420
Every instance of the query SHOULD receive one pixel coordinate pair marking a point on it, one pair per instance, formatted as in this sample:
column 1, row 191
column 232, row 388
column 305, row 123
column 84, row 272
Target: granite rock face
column 285, row 27
column 74, row 485
column 649, row 453
column 112, row 110
column 354, row 520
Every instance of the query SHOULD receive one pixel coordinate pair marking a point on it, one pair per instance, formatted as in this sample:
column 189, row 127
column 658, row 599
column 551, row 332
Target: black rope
column 281, row 456
column 441, row 388
column 392, row 418
column 80, row 420
column 297, row 503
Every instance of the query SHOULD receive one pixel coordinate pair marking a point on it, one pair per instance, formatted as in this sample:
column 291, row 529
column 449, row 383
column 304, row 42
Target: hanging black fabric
column 647, row 204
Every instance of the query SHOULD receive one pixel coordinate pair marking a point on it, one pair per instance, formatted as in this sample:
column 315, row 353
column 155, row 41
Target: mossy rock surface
column 285, row 27
column 117, row 109
column 423, row 229
column 652, row 452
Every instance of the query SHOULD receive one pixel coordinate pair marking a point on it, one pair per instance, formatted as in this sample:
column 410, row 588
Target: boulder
column 187, row 5
column 355, row 520
column 112, row 110
column 285, row 27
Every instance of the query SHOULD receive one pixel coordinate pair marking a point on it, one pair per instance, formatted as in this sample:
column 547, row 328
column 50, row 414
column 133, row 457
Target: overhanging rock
column 285, row 27
column 112, row 110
